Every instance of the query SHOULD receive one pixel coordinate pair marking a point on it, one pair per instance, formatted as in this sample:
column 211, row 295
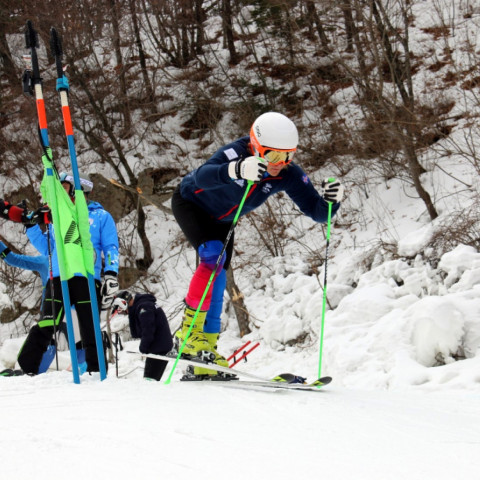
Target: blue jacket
column 36, row 264
column 149, row 323
column 212, row 189
column 104, row 237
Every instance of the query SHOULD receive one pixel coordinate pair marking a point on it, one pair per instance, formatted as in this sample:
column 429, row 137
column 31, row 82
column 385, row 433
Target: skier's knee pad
column 209, row 252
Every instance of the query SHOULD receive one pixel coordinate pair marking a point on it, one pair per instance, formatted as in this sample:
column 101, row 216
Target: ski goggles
column 278, row 157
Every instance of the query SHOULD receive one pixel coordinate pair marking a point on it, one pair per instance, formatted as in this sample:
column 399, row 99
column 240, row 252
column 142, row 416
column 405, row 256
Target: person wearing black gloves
column 148, row 322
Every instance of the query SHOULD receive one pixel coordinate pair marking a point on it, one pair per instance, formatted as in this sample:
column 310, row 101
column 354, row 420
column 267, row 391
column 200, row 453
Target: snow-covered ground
column 388, row 414
column 131, row 428
column 401, row 341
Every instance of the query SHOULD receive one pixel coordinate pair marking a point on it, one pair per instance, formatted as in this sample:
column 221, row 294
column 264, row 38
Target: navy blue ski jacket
column 148, row 322
column 211, row 188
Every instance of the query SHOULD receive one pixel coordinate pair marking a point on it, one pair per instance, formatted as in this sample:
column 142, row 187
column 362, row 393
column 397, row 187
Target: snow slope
column 133, row 428
column 389, row 414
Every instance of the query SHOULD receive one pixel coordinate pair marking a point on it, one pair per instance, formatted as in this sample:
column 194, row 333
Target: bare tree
column 315, row 24
column 383, row 58
column 227, row 19
column 121, row 70
column 150, row 94
column 7, row 67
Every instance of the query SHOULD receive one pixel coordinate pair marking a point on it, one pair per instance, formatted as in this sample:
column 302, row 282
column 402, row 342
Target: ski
column 232, row 375
column 257, row 385
column 32, row 85
column 80, row 203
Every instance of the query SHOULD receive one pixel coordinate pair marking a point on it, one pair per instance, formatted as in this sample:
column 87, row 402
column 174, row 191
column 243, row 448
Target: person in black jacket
column 208, row 200
column 148, row 322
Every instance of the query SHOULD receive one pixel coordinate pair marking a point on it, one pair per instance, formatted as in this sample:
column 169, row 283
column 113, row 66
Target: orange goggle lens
column 279, row 156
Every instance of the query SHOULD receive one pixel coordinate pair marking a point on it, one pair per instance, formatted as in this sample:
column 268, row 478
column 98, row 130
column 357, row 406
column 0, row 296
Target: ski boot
column 197, row 342
column 214, row 357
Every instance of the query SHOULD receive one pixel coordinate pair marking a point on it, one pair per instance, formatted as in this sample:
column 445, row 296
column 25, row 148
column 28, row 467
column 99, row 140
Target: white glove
column 109, row 289
column 332, row 190
column 250, row 168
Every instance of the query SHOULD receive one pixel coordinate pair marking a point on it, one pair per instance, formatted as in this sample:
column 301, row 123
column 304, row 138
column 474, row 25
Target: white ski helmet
column 85, row 183
column 274, row 132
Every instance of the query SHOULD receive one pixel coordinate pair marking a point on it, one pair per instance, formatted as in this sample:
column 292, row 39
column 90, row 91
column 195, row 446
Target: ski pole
column 32, row 83
column 212, row 276
column 109, row 334
column 329, row 222
column 80, row 203
column 52, row 293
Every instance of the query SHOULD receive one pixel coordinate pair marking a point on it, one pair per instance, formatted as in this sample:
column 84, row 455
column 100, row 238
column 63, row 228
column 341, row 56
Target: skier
column 105, row 241
column 39, row 264
column 148, row 322
column 206, row 202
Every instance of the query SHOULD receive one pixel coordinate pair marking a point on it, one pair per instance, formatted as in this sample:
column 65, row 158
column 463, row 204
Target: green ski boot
column 212, row 339
column 196, row 341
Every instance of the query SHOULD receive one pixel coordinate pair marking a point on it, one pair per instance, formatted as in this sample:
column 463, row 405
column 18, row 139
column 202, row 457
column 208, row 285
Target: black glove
column 109, row 289
column 41, row 215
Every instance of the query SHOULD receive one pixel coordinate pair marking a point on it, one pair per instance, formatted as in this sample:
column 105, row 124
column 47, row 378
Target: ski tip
column 322, row 381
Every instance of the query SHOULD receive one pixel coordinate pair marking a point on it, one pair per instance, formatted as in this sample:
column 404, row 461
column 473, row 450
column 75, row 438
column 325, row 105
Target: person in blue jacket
column 207, row 200
column 105, row 242
column 148, row 322
column 39, row 264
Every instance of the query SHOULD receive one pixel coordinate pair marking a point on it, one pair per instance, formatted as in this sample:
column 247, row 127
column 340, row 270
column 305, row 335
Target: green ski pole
column 210, row 280
column 329, row 223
